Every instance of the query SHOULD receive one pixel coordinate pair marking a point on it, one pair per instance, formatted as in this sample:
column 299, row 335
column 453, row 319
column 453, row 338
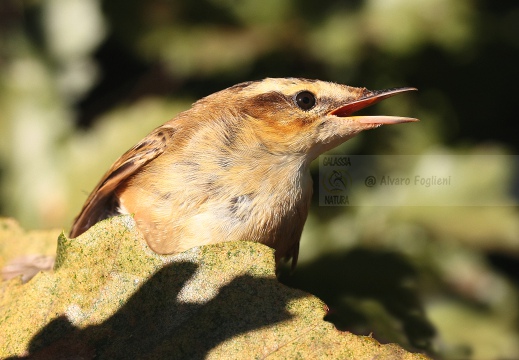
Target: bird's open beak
column 372, row 98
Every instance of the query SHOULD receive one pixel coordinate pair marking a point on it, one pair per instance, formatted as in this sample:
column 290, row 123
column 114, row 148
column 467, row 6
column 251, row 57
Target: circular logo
column 336, row 180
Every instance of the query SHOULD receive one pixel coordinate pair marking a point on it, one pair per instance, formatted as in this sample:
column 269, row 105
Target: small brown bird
column 235, row 166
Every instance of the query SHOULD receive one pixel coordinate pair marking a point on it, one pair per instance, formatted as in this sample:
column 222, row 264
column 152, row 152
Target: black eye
column 305, row 100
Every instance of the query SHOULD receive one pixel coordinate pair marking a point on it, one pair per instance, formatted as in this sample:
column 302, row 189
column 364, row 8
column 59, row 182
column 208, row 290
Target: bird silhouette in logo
column 336, row 181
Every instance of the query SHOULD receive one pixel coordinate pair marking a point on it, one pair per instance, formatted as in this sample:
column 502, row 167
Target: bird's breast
column 178, row 205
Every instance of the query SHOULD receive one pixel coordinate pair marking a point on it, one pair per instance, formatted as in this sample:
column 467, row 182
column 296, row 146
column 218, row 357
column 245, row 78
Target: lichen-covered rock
column 109, row 296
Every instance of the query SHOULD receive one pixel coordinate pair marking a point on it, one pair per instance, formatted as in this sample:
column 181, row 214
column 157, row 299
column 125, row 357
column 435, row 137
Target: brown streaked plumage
column 233, row 167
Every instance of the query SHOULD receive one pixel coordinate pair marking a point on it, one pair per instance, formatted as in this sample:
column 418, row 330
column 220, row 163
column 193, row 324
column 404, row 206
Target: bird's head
column 291, row 115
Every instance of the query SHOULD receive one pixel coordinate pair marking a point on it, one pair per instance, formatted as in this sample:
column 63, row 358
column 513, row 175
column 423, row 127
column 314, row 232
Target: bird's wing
column 101, row 202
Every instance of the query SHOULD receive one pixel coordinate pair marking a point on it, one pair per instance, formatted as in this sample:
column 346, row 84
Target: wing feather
column 101, row 203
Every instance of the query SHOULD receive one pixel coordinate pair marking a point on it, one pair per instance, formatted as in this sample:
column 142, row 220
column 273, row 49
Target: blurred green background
column 82, row 80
